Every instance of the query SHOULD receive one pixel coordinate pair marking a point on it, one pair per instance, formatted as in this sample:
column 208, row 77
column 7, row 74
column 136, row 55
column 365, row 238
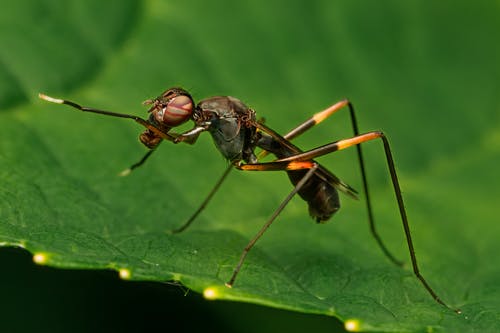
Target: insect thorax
column 230, row 126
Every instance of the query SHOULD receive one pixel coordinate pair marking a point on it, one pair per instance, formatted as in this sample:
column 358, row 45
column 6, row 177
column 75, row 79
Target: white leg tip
column 50, row 99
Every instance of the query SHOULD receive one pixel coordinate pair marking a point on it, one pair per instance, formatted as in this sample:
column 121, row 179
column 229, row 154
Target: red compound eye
column 177, row 111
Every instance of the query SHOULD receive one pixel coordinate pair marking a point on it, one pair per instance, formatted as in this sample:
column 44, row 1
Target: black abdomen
column 321, row 197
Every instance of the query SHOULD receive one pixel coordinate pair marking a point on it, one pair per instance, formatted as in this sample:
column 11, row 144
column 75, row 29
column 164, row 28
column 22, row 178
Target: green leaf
column 427, row 73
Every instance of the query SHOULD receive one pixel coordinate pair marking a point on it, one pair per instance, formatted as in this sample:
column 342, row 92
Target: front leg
column 190, row 136
column 152, row 142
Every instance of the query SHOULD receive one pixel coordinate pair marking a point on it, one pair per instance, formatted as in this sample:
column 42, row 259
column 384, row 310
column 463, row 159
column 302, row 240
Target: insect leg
column 305, row 157
column 270, row 221
column 164, row 135
column 127, row 171
column 205, row 202
column 318, row 118
column 189, row 139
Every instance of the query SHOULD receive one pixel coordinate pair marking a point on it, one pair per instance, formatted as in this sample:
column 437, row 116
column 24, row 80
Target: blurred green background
column 425, row 72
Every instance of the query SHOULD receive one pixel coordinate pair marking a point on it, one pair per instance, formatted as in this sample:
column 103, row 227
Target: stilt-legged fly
column 237, row 133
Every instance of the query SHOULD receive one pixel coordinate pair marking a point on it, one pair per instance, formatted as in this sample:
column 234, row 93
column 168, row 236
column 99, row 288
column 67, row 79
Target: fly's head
column 172, row 108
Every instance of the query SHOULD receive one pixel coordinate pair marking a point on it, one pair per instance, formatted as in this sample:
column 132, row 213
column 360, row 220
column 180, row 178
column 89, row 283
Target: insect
column 237, row 133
